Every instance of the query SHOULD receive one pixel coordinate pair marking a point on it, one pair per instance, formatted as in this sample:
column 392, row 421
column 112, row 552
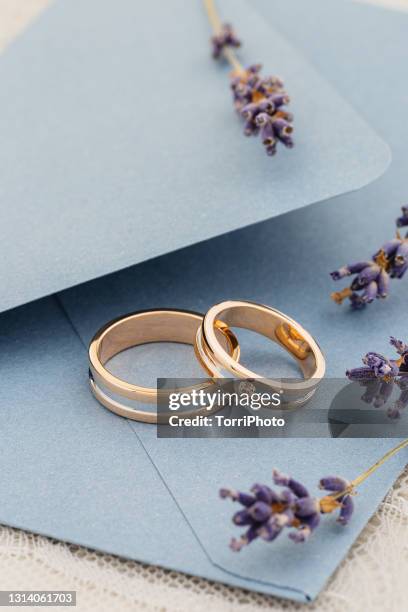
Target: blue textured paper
column 116, row 127
column 285, row 263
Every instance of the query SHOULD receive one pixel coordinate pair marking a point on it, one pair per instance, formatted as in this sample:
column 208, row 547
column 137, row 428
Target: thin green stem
column 216, row 25
column 362, row 477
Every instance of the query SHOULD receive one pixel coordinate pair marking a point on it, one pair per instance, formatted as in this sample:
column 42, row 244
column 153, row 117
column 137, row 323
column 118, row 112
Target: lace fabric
column 372, row 577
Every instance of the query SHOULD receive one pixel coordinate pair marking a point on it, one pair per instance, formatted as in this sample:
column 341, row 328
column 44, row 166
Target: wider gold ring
column 160, row 325
column 276, row 326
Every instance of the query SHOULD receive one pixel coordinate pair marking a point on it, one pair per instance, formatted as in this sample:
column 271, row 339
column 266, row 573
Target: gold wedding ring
column 160, row 325
column 277, row 327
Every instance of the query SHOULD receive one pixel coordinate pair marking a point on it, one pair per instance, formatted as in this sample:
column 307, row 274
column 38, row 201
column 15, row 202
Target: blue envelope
column 116, row 126
column 74, row 471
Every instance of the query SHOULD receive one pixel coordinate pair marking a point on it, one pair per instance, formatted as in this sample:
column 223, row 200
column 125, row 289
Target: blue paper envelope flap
column 119, row 140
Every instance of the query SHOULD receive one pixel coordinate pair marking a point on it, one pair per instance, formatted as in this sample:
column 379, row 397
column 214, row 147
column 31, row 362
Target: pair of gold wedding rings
column 216, row 347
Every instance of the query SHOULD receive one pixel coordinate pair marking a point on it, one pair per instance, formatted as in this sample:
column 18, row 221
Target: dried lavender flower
column 379, row 367
column 403, row 220
column 259, row 100
column 376, row 366
column 380, row 375
column 372, row 277
column 268, row 512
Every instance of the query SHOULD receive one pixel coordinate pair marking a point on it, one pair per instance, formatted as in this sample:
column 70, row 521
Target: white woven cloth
column 372, row 577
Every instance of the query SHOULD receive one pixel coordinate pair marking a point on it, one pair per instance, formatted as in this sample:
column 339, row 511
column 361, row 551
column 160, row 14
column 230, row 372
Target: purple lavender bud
column 360, row 374
column 370, row 292
column 249, row 110
column 270, row 530
column 288, row 497
column 225, row 38
column 237, row 544
column 265, row 494
column 357, row 302
column 305, row 506
column 379, row 364
column 359, row 266
column 242, row 517
column 262, row 119
column 312, row 521
column 230, row 37
column 398, row 271
column 301, row 535
column 271, row 149
column 244, row 540
column 260, row 511
column 401, row 255
column 298, row 489
column 267, row 106
column 347, row 508
column 403, row 220
column 286, row 481
column 249, row 128
column 383, row 284
column 287, row 141
column 282, row 128
column 279, row 99
column 267, row 135
column 368, row 274
column 254, row 68
column 243, row 498
column 273, row 82
column 279, row 478
column 340, row 273
column 333, row 483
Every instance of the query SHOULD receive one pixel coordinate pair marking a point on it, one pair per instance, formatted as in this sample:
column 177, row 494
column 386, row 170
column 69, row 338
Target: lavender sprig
column 380, row 375
column 372, row 277
column 377, row 366
column 259, row 100
column 266, row 513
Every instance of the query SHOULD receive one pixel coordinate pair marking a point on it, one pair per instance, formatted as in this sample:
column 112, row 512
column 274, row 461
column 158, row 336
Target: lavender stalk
column 259, row 100
column 266, row 512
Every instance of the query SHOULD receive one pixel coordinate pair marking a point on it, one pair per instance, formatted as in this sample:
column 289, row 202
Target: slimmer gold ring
column 276, row 326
